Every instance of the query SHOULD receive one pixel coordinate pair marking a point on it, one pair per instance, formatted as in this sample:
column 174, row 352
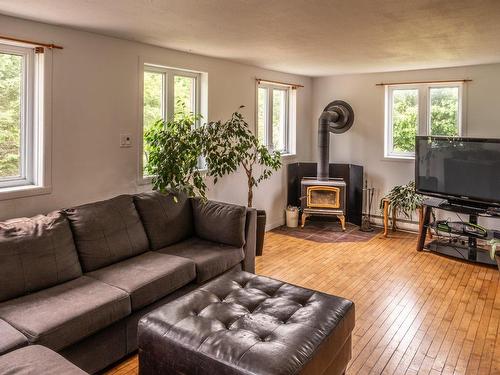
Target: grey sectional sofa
column 36, row 360
column 78, row 280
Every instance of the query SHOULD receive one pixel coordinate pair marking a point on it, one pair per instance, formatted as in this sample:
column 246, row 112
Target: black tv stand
column 470, row 251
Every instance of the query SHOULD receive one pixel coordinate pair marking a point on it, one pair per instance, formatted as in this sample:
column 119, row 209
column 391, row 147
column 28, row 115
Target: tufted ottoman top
column 241, row 323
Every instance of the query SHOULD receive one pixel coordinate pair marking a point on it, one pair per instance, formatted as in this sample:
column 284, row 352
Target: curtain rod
column 47, row 45
column 419, row 82
column 292, row 85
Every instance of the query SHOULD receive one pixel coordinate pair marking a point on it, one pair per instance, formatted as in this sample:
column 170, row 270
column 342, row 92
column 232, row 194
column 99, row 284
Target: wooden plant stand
column 386, row 217
column 394, row 227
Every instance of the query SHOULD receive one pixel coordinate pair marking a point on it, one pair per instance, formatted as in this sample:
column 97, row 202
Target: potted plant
column 402, row 199
column 173, row 149
column 230, row 145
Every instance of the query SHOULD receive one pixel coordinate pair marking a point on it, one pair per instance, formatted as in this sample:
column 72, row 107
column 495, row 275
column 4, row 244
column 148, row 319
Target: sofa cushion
column 211, row 258
column 167, row 218
column 106, row 232
column 36, row 253
column 37, row 360
column 10, row 338
column 219, row 222
column 66, row 313
column 148, row 277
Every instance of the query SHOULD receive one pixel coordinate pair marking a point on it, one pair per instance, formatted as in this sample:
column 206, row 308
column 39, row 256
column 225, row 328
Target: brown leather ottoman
column 241, row 323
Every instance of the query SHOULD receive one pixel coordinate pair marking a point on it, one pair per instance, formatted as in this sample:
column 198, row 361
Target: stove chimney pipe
column 337, row 117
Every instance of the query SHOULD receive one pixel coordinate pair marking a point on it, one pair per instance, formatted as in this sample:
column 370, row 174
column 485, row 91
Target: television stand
column 470, row 252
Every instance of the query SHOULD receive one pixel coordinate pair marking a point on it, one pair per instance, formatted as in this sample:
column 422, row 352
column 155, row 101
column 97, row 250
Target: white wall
column 95, row 98
column 364, row 143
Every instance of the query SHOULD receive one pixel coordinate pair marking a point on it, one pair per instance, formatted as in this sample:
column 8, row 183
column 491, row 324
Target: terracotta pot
column 261, row 231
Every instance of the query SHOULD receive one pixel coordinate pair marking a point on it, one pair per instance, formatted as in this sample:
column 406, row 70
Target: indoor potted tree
column 230, row 145
column 174, row 149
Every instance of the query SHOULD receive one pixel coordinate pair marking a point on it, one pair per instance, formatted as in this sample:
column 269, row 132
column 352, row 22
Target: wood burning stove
column 323, row 198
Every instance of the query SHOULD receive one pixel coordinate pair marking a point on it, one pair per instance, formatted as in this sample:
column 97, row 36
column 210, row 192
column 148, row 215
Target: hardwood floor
column 416, row 312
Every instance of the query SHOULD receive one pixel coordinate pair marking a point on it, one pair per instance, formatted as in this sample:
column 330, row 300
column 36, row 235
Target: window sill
column 23, row 191
column 399, row 158
column 141, row 181
column 145, row 181
column 288, row 156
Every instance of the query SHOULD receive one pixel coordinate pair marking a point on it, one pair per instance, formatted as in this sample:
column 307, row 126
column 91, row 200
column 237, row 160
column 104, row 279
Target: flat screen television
column 462, row 170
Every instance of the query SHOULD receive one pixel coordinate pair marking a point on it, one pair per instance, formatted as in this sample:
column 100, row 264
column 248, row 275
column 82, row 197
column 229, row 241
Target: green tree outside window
column 11, row 68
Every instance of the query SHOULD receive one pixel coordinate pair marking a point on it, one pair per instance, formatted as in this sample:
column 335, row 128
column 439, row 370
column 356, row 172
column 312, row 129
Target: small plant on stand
column 402, row 199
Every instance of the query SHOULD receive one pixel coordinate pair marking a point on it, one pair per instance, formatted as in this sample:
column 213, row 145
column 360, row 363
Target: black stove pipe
column 324, row 143
column 337, row 118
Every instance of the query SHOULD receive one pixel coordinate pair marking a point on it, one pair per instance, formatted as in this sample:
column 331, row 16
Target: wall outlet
column 125, row 140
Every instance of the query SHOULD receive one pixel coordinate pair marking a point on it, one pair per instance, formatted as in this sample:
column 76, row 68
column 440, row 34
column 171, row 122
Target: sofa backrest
column 107, row 232
column 36, row 253
column 167, row 218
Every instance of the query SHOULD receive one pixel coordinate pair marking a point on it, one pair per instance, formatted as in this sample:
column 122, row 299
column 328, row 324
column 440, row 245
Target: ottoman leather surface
column 241, row 323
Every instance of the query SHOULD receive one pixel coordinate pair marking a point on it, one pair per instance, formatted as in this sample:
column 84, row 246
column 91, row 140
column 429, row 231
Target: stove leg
column 304, row 217
column 342, row 221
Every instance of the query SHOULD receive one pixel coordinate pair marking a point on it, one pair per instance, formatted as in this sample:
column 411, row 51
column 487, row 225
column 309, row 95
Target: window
column 167, row 93
column 274, row 117
column 423, row 109
column 21, row 113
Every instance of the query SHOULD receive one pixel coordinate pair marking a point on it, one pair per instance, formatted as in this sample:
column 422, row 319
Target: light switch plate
column 125, row 140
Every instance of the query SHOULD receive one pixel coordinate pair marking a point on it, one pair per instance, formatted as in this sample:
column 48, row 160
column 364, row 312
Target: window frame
column 26, row 164
column 36, row 123
column 289, row 116
column 168, row 103
column 424, row 113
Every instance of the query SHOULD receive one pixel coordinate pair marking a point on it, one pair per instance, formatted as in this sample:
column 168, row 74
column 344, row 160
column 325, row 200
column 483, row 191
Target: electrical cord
column 450, row 243
column 442, row 238
column 450, row 238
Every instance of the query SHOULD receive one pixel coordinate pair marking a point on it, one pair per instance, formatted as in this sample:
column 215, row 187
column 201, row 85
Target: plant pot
column 292, row 218
column 261, row 231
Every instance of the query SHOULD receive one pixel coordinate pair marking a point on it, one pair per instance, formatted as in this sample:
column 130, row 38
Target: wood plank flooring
column 416, row 312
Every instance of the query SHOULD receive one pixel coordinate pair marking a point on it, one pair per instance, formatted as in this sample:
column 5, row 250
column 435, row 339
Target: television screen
column 466, row 169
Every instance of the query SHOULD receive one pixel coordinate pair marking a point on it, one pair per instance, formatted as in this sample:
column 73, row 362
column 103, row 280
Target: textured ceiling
column 310, row 37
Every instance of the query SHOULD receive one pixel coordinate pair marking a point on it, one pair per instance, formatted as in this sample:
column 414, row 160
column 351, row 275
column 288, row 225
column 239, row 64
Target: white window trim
column 36, row 175
column 290, row 120
column 423, row 117
column 168, row 109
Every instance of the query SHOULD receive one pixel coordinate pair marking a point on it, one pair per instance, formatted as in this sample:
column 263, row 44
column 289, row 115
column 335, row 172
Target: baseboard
column 274, row 224
column 403, row 224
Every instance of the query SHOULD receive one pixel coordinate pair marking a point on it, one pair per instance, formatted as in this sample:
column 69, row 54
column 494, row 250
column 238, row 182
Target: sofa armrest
column 250, row 240
column 219, row 222
column 229, row 224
